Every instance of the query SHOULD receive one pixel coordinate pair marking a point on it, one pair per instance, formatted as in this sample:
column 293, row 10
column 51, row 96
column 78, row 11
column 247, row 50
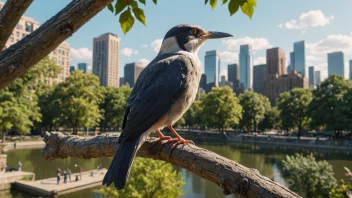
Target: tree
column 254, row 106
column 113, row 106
column 150, row 178
column 271, row 119
column 16, row 60
column 193, row 116
column 48, row 103
column 314, row 178
column 294, row 108
column 346, row 109
column 78, row 100
column 343, row 189
column 221, row 108
column 326, row 108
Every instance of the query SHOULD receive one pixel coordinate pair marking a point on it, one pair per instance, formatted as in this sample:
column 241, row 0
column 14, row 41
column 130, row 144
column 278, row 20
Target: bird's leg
column 178, row 140
column 162, row 136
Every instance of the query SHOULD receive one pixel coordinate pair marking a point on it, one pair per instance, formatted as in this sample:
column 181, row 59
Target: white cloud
column 332, row 43
column 229, row 57
column 257, row 43
column 144, row 45
column 81, row 55
column 260, row 60
column 144, row 62
column 312, row 18
column 156, row 44
column 128, row 51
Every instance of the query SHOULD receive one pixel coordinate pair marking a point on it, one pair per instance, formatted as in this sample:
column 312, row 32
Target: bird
column 163, row 92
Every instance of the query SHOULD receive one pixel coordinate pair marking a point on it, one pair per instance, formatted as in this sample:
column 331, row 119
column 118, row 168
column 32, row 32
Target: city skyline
column 321, row 25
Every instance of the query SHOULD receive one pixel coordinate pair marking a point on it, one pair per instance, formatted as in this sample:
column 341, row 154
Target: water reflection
column 266, row 159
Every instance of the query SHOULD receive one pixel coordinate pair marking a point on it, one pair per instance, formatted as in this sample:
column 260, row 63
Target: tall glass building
column 317, row 79
column 83, row 67
column 246, row 66
column 311, row 77
column 299, row 58
column 233, row 73
column 212, row 67
column 350, row 77
column 336, row 64
column 292, row 62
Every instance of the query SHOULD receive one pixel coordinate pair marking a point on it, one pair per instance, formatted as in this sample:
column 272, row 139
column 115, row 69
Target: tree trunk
column 4, row 137
column 232, row 177
column 20, row 57
column 74, row 131
column 299, row 133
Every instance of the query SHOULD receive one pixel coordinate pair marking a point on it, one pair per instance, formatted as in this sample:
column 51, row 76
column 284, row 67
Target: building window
column 12, row 39
column 29, row 27
column 19, row 26
column 23, row 35
column 17, row 34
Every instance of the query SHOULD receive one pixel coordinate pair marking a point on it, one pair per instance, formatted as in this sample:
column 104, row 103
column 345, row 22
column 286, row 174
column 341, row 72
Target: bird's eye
column 194, row 31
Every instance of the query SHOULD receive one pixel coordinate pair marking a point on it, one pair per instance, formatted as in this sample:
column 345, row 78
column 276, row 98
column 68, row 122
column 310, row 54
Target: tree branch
column 232, row 177
column 10, row 14
column 17, row 59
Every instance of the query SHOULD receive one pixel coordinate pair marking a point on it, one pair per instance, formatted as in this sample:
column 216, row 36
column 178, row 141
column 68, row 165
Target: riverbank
column 22, row 145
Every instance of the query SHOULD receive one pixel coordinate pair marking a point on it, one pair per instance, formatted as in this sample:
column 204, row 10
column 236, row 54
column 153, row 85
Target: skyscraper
column 72, row 68
column 292, row 62
column 246, row 64
column 61, row 55
column 83, row 67
column 258, row 78
column 233, row 74
column 299, row 58
column 336, row 64
column 212, row 68
column 276, row 79
column 106, row 57
column 350, row 77
column 132, row 71
column 203, row 82
column 317, row 78
column 311, row 77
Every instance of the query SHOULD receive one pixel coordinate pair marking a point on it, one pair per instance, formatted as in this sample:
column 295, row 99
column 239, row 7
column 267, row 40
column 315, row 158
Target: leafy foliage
column 221, row 108
column 127, row 19
column 78, row 100
column 326, row 108
column 294, row 108
column 254, row 107
column 149, row 178
column 272, row 119
column 193, row 117
column 314, row 178
column 113, row 106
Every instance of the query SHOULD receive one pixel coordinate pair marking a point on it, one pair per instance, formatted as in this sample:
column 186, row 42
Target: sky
column 324, row 25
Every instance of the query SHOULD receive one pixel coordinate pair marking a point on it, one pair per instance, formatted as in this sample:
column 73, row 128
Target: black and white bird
column 164, row 91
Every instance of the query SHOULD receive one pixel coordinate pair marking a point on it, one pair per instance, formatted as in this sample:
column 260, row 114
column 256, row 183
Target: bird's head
column 187, row 38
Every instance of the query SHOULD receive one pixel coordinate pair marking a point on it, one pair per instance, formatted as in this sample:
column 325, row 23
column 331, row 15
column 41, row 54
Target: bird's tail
column 120, row 166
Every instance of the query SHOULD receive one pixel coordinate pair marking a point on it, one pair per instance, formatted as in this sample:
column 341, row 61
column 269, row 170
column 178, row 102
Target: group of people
column 66, row 173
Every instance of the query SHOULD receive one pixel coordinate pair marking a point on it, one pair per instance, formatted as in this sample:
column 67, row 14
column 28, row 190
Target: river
column 266, row 159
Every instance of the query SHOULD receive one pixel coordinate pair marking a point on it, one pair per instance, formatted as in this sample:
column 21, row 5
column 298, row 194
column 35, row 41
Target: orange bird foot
column 178, row 141
column 161, row 138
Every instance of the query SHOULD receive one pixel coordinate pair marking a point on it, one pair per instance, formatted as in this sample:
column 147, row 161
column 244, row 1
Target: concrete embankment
column 22, row 145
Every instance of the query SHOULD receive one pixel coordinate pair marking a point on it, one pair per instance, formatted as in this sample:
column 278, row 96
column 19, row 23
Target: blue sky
column 323, row 24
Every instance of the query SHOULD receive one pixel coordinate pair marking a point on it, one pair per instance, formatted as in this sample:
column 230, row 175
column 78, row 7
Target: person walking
column 19, row 165
column 68, row 173
column 58, row 178
column 65, row 177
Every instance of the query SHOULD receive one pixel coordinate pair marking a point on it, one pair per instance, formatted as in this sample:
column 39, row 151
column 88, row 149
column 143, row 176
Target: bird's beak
column 215, row 35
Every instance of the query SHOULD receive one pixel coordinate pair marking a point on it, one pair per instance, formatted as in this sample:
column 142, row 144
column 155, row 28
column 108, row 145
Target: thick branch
column 232, row 177
column 17, row 59
column 10, row 14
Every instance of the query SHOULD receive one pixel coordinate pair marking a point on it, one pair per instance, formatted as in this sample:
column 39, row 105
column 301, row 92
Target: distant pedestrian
column 76, row 178
column 19, row 165
column 58, row 178
column 65, row 177
column 58, row 170
column 68, row 173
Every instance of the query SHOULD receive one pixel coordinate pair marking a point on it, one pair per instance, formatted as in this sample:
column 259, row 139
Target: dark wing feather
column 157, row 88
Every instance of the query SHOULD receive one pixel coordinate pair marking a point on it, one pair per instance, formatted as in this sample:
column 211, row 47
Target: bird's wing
column 158, row 86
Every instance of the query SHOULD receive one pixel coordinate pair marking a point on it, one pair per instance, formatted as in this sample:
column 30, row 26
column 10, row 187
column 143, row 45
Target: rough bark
column 18, row 58
column 232, row 177
column 10, row 14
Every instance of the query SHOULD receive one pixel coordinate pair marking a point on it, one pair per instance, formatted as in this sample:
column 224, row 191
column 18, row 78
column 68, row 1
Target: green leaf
column 247, row 9
column 224, row 1
column 155, row 1
column 252, row 2
column 133, row 3
column 142, row 1
column 111, row 8
column 233, row 7
column 213, row 3
column 206, row 1
column 119, row 6
column 126, row 21
column 139, row 14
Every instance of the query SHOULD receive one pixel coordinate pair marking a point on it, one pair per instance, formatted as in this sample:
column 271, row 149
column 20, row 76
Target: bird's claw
column 178, row 141
column 162, row 138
